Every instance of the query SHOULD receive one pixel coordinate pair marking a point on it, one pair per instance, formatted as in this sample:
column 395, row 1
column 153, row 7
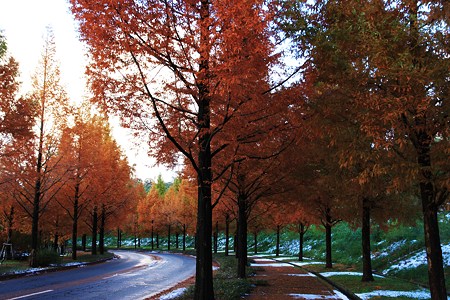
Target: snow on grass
column 261, row 255
column 418, row 259
column 392, row 248
column 276, row 265
column 329, row 274
column 419, row 294
column 174, row 294
column 287, row 258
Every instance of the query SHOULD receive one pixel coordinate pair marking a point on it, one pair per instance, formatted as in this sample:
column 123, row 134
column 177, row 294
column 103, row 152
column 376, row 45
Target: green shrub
column 47, row 257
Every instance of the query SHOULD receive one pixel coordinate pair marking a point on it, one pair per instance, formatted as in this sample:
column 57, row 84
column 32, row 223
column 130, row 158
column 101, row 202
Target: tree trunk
column 227, row 234
column 157, row 240
column 94, row 232
column 301, row 230
column 430, row 209
column 422, row 143
column 184, row 237
column 365, row 231
column 177, row 236
column 168, row 237
column 328, row 262
column 75, row 220
column 203, row 275
column 152, row 236
column 9, row 254
column 83, row 242
column 118, row 238
column 277, row 251
column 216, row 237
column 37, row 188
column 242, row 235
column 101, row 245
column 255, row 235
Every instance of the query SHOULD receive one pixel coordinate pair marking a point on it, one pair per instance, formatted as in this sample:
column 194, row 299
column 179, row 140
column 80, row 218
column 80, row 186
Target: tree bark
column 365, row 232
column 255, row 236
column 184, row 237
column 216, row 237
column 430, row 209
column 94, row 232
column 227, row 234
column 152, row 236
column 203, row 276
column 101, row 245
column 242, row 236
column 168, row 237
column 9, row 254
column 328, row 261
column 301, row 230
column 75, row 220
column 83, row 242
column 118, row 237
column 277, row 251
column 177, row 236
column 157, row 240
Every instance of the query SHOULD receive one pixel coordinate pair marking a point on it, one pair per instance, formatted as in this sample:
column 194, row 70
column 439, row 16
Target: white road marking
column 29, row 295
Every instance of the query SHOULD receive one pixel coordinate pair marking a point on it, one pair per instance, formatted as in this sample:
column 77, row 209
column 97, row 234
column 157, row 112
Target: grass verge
column 226, row 284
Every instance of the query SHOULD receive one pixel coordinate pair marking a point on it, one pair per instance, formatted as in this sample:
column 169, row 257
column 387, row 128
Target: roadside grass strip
column 419, row 294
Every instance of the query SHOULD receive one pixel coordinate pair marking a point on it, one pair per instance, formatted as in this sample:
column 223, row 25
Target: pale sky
column 24, row 23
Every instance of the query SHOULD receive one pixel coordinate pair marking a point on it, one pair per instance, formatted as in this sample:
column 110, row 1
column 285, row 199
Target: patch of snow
column 261, row 255
column 420, row 258
column 173, row 294
column 287, row 258
column 328, row 274
column 419, row 294
column 340, row 295
column 32, row 270
column 317, row 296
column 392, row 248
column 262, row 259
column 271, row 265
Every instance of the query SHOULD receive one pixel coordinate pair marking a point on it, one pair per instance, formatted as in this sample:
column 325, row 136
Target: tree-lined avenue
column 132, row 276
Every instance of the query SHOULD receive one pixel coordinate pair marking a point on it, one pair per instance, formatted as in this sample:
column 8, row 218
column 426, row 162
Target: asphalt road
column 132, row 276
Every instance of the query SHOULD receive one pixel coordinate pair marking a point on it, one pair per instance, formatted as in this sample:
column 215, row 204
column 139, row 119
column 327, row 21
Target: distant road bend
column 132, row 276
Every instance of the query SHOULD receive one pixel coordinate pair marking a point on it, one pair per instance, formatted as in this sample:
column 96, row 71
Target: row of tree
column 364, row 127
column 61, row 170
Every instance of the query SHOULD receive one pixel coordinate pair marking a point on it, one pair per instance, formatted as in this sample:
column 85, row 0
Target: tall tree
column 50, row 102
column 392, row 59
column 204, row 50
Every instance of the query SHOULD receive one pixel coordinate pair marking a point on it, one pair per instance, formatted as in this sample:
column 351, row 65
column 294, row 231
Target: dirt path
column 278, row 280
